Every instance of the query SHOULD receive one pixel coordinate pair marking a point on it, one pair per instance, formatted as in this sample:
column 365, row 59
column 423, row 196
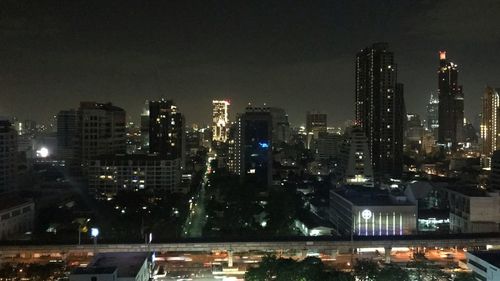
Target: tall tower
column 8, row 156
column 489, row 125
column 433, row 114
column 166, row 130
column 380, row 108
column 451, row 103
column 220, row 120
column 253, row 146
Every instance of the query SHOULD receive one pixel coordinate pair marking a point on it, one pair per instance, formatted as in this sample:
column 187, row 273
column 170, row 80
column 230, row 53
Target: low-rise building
column 16, row 216
column 110, row 174
column 472, row 209
column 365, row 211
column 484, row 265
column 115, row 267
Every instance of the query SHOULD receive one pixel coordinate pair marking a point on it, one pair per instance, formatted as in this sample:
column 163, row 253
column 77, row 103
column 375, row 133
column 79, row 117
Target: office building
column 316, row 122
column 145, row 126
column 433, row 114
column 489, row 125
column 328, row 146
column 220, row 120
column 356, row 162
column 166, row 130
column 101, row 130
column 251, row 146
column 414, row 132
column 16, row 216
column 125, row 266
column 66, row 134
column 371, row 212
column 110, row 174
column 451, row 103
column 485, row 265
column 379, row 108
column 281, row 126
column 8, row 156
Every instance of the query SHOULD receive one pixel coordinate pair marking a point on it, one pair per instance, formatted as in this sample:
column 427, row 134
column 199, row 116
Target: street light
column 94, row 232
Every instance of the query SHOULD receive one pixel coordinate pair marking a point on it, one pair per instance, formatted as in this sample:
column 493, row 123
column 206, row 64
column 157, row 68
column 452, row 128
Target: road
column 193, row 227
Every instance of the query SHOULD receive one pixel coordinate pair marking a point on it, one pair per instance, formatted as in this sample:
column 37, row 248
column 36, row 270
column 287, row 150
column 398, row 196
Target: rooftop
column 11, row 200
column 369, row 196
column 94, row 270
column 128, row 264
column 491, row 257
column 470, row 190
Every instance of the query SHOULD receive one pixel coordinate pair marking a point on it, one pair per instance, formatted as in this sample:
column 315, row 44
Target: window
column 474, row 263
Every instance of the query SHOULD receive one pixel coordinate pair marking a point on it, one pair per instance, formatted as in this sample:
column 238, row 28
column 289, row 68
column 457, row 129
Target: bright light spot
column 94, row 232
column 42, row 152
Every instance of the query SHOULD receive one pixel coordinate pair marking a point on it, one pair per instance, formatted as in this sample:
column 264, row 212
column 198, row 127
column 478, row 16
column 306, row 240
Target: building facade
column 432, row 123
column 251, row 146
column 101, row 130
column 66, row 134
column 489, row 125
column 220, row 120
column 485, row 265
column 379, row 108
column 8, row 156
column 472, row 210
column 356, row 161
column 366, row 212
column 16, row 217
column 110, row 174
column 451, row 103
column 166, row 130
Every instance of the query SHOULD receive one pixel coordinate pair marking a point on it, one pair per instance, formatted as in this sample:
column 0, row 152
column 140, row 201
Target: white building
column 484, row 265
column 115, row 267
column 357, row 162
column 472, row 210
column 16, row 216
column 108, row 175
column 365, row 211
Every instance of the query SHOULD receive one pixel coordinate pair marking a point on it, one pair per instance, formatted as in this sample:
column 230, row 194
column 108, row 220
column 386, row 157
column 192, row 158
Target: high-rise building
column 451, row 103
column 316, row 122
column 166, row 130
column 414, row 132
column 66, row 134
column 145, row 126
column 251, row 147
column 380, row 108
column 281, row 126
column 8, row 156
column 489, row 125
column 101, row 130
column 433, row 114
column 220, row 120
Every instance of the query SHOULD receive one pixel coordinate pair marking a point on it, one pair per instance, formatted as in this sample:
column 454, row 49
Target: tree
column 424, row 272
column 392, row 273
column 366, row 270
column 464, row 276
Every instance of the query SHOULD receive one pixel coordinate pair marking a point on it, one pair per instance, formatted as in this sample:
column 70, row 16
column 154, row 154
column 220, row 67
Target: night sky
column 298, row 55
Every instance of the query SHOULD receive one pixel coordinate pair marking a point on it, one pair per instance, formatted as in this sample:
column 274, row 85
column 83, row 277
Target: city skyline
column 134, row 57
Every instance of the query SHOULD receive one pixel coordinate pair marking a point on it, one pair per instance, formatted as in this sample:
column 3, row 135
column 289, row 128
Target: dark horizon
column 299, row 57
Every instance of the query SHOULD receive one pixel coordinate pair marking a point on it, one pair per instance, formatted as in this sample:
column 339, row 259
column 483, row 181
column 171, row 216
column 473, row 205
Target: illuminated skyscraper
column 166, row 130
column 380, row 108
column 433, row 114
column 220, row 120
column 451, row 103
column 489, row 125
